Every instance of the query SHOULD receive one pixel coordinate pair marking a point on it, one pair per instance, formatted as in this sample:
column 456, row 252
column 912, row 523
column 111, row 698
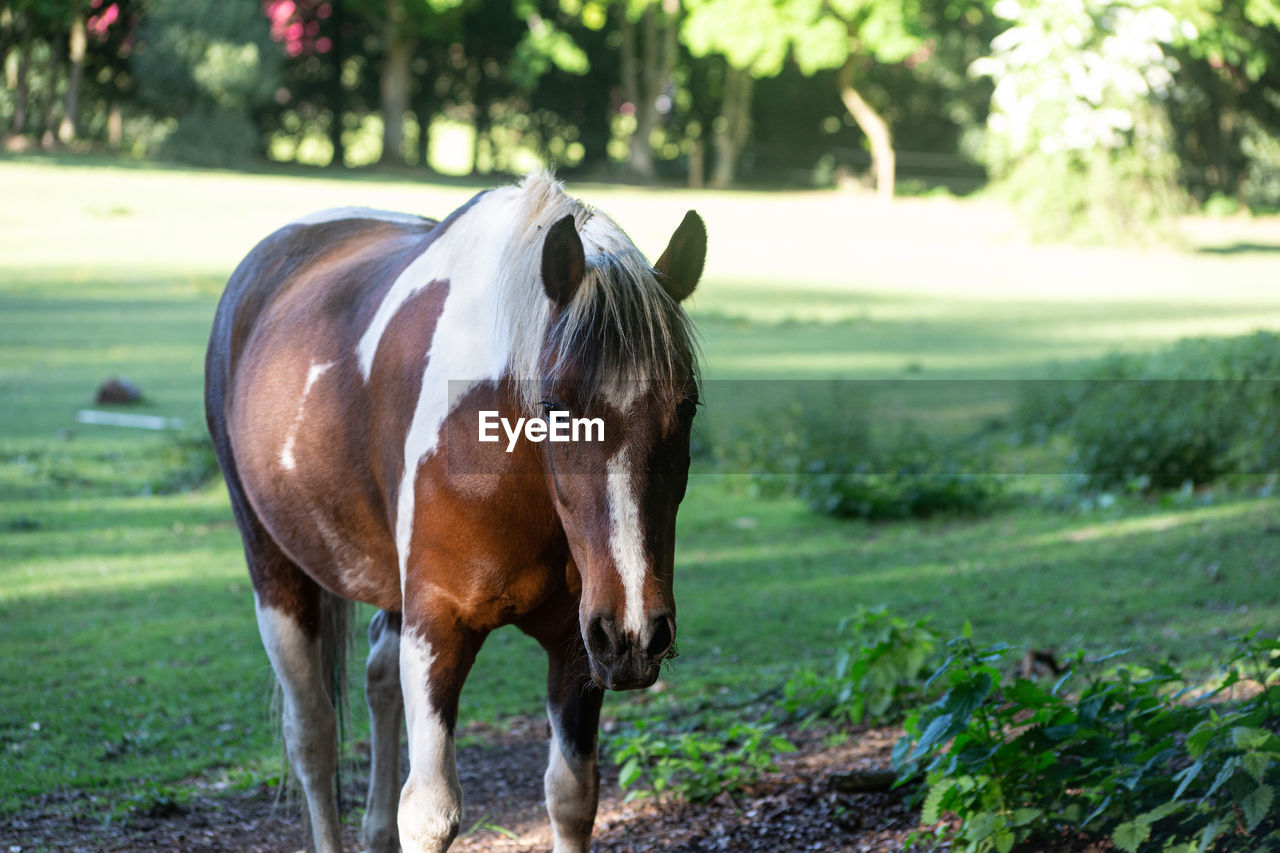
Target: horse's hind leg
column 290, row 633
column 386, row 712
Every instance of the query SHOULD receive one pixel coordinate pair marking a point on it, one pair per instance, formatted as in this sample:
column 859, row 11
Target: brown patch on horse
column 455, row 560
column 256, row 381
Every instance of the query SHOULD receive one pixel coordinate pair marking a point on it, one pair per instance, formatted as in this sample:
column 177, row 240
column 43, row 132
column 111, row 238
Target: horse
column 351, row 354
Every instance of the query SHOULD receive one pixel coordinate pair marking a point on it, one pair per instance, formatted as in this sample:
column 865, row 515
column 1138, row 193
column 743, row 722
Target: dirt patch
column 795, row 809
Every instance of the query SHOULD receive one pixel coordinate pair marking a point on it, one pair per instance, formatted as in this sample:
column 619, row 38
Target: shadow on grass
column 1240, row 249
column 1181, row 583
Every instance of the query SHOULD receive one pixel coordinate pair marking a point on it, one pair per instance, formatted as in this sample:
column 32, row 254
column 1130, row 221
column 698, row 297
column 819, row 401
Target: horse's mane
column 621, row 331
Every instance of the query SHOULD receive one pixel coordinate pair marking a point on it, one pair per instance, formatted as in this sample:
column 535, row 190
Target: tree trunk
column 876, row 130
column 337, row 95
column 76, row 43
column 640, row 161
column 22, row 87
column 424, row 114
column 734, row 125
column 396, row 75
column 697, row 154
column 644, row 82
column 646, row 109
column 48, row 139
column 115, row 125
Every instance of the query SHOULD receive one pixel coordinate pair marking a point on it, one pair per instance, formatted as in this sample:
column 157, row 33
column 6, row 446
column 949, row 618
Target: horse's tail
column 335, row 643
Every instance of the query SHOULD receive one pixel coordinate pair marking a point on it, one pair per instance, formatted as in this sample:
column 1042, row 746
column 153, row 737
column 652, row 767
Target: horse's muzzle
column 623, row 660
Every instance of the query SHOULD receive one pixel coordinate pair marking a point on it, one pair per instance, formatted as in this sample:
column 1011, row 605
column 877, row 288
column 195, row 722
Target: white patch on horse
column 496, row 313
column 621, row 391
column 571, row 787
column 467, row 348
column 431, row 800
column 626, row 539
column 337, row 214
column 286, row 453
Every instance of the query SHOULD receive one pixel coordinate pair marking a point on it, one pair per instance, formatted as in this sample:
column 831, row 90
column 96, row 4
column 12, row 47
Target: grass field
column 128, row 650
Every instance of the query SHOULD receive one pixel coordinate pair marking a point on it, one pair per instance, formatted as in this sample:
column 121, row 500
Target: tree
column 648, row 53
column 212, row 66
column 848, row 35
column 843, row 34
column 1225, row 101
column 77, row 41
column 748, row 36
column 1076, row 123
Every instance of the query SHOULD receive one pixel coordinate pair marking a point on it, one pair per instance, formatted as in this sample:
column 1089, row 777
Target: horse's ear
column 680, row 266
column 563, row 263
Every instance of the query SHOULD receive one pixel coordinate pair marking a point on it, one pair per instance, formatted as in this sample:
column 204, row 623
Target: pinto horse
column 350, row 356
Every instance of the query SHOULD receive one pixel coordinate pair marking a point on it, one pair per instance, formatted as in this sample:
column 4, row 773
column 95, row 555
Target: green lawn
column 128, row 649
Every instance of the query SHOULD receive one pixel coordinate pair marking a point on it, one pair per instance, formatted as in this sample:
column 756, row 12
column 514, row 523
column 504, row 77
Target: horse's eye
column 549, row 406
column 687, row 409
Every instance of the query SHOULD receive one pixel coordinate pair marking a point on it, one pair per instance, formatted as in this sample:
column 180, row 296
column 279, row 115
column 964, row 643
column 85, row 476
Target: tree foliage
column 211, row 66
column 1103, row 113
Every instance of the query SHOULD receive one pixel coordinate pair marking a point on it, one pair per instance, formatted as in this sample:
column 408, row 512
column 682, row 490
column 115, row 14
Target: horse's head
column 618, row 349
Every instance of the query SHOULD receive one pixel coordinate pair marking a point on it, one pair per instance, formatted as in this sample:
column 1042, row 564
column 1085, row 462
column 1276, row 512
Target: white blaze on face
column 431, row 800
column 626, row 538
column 286, row 453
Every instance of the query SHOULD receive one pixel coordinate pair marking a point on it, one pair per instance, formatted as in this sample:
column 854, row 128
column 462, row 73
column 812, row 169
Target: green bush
column 697, row 764
column 1190, row 413
column 879, row 669
column 214, row 137
column 211, row 65
column 1133, row 756
column 825, row 451
column 909, row 476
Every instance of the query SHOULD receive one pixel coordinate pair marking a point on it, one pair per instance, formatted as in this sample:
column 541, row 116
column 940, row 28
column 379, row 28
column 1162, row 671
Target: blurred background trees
column 1100, row 116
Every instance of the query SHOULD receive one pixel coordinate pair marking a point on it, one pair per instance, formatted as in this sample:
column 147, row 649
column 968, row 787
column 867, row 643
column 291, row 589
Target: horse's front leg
column 436, row 654
column 572, row 780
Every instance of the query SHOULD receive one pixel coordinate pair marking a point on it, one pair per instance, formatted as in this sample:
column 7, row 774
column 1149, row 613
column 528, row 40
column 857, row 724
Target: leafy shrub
column 697, row 765
column 1132, row 756
column 878, row 671
column 909, row 476
column 776, row 448
column 211, row 65
column 1086, row 155
column 1192, row 412
column 215, row 137
column 825, row 452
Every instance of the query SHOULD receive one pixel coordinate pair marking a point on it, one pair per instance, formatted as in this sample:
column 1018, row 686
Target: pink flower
column 100, row 23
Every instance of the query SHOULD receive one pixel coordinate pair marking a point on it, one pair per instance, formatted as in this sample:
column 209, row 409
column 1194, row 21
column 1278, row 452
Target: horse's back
column 295, row 424
column 314, row 252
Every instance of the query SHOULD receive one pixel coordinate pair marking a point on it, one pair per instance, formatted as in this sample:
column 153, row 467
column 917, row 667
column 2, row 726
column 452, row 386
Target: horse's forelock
column 620, row 331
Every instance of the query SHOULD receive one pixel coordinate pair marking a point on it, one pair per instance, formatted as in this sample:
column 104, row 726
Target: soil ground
column 793, row 809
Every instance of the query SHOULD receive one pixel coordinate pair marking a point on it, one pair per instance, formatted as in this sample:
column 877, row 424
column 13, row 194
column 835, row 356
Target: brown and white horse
column 351, row 355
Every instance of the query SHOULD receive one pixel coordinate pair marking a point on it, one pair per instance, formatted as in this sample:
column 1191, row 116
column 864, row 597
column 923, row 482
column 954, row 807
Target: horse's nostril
column 661, row 637
column 599, row 638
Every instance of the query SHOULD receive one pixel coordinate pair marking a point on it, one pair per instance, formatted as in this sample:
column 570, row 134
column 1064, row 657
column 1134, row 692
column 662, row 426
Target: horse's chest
column 490, row 544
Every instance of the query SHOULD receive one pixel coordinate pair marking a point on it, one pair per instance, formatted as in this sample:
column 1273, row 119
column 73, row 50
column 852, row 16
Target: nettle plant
column 697, row 765
column 1132, row 754
column 881, row 662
